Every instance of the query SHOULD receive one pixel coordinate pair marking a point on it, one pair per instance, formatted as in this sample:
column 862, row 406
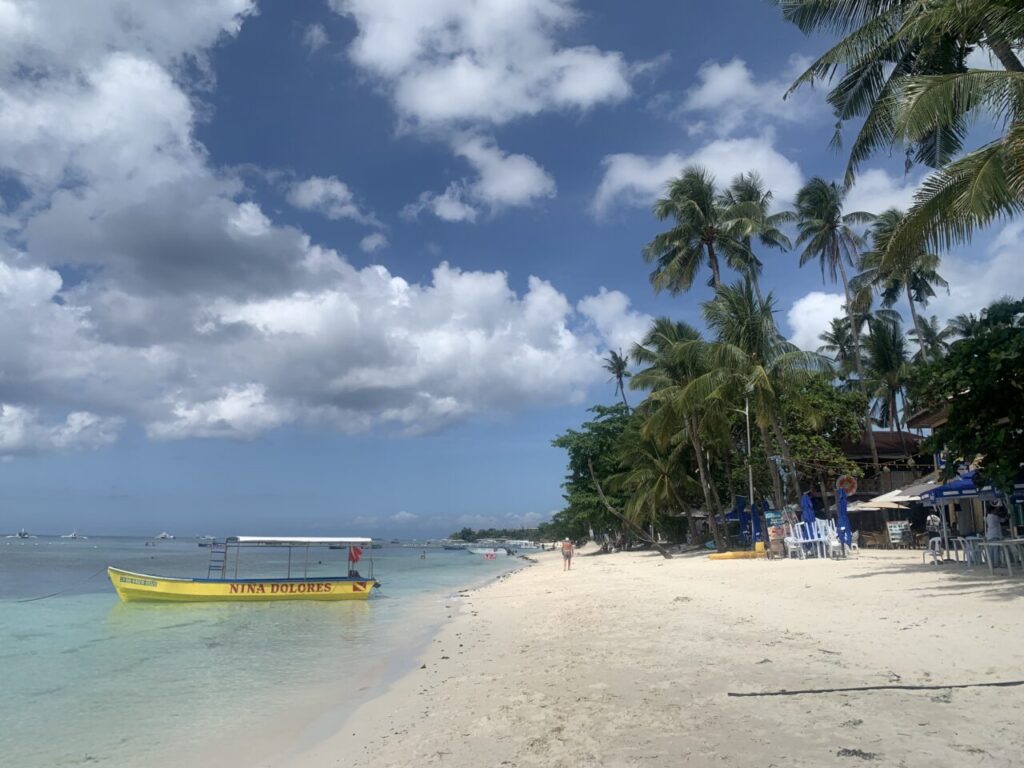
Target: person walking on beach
column 566, row 555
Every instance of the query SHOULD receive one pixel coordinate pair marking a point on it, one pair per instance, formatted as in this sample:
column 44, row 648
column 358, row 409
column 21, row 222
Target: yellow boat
column 217, row 586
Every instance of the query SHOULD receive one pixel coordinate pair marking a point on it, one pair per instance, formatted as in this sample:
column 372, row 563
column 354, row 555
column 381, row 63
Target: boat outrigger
column 218, row 586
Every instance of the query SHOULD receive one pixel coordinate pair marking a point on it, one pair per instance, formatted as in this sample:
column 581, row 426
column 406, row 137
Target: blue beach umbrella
column 845, row 534
column 808, row 512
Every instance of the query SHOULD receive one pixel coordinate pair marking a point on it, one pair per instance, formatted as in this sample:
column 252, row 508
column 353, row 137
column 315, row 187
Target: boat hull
column 141, row 587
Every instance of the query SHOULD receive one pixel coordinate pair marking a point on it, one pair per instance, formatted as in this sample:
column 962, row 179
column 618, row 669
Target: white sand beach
column 630, row 660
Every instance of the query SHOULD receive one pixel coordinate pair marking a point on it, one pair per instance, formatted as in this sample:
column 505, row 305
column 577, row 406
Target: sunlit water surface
column 87, row 680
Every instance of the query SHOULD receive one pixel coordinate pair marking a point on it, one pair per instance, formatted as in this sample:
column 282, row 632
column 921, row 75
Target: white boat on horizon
column 74, row 535
column 21, row 534
column 165, row 536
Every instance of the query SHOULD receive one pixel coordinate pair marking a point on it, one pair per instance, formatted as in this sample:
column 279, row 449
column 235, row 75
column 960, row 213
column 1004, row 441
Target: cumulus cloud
column 502, row 181
column 811, row 315
column 976, row 279
column 611, row 315
column 373, row 242
column 636, row 180
column 729, row 96
column 403, row 517
column 875, row 191
column 449, row 61
column 23, row 431
column 315, row 37
column 192, row 312
column 327, row 196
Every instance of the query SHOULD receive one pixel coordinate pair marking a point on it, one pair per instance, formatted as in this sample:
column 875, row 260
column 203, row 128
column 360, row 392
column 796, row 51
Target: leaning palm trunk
column 690, row 538
column 637, row 529
column 855, row 330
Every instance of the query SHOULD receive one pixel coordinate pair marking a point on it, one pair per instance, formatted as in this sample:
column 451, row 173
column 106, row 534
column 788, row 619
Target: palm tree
column 753, row 361
column 618, row 367
column 912, row 273
column 749, row 188
column 675, row 356
column 653, row 474
column 964, row 326
column 888, row 370
column 827, row 234
column 704, row 228
column 932, row 341
column 838, row 344
column 904, row 70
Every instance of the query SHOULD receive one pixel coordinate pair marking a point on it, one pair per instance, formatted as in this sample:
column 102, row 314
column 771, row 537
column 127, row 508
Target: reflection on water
column 89, row 680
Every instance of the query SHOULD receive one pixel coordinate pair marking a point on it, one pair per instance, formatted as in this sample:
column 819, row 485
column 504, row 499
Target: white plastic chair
column 934, row 551
column 855, row 542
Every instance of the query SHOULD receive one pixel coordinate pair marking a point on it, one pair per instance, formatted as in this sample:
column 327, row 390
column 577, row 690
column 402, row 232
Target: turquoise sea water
column 89, row 681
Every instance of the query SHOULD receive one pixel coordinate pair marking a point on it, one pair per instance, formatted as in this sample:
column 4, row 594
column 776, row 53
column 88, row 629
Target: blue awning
column 966, row 487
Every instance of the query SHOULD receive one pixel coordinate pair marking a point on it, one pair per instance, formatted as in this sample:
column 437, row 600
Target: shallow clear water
column 88, row 680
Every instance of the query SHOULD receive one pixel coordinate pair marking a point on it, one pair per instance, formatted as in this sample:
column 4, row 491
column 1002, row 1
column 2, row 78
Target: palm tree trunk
column 705, row 483
column 752, row 275
column 622, row 390
column 716, row 279
column 689, row 513
column 855, row 331
column 637, row 529
column 772, row 469
column 1004, row 52
column 787, row 457
column 917, row 325
column 824, row 496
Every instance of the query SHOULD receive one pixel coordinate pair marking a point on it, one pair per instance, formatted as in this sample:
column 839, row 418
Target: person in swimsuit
column 566, row 555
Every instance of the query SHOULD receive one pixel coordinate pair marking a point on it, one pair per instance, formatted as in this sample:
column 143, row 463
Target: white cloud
column 22, row 431
column 403, row 517
column 619, row 325
column 730, row 97
column 238, row 411
column 315, row 37
column 373, row 242
column 811, row 315
column 502, row 181
column 327, row 196
column 875, row 191
column 978, row 279
column 445, row 61
column 636, row 180
column 194, row 313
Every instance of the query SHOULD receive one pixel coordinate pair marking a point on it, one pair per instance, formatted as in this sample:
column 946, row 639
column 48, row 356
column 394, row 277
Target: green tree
column 595, row 444
column 827, row 234
column 887, row 371
column 981, row 383
column 837, row 343
column 912, row 274
column 618, row 367
column 749, row 189
column 675, row 356
column 932, row 340
column 753, row 362
column 903, row 66
column 704, row 228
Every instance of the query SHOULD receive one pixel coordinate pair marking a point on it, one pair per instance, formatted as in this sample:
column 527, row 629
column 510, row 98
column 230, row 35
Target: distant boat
column 165, row 535
column 74, row 535
column 485, row 551
column 205, row 541
column 22, row 534
column 457, row 547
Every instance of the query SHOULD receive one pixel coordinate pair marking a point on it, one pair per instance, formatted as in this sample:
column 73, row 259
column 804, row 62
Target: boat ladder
column 218, row 560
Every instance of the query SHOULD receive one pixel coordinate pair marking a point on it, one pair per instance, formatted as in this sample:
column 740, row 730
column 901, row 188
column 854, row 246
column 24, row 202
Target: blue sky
column 350, row 265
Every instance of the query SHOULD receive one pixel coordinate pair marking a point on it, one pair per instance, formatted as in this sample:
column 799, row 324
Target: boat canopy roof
column 299, row 541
